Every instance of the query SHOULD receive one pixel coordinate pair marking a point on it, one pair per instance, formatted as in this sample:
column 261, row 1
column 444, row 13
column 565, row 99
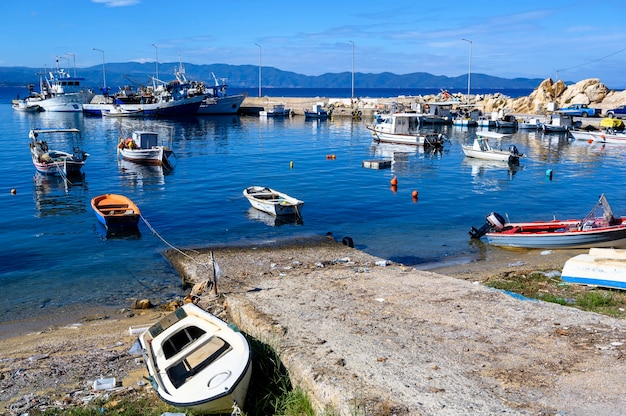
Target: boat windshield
column 606, row 213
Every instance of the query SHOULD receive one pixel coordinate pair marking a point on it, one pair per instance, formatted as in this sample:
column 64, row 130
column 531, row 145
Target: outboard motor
column 494, row 221
column 513, row 150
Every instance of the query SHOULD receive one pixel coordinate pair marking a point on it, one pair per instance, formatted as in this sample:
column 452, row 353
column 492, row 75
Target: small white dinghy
column 273, row 202
column 604, row 267
column 197, row 361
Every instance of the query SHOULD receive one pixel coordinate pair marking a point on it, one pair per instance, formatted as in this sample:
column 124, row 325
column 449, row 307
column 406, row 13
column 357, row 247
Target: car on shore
column 619, row 112
column 580, row 110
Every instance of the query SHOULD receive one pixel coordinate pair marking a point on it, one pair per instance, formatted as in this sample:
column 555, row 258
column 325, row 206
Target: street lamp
column 352, row 69
column 157, row 60
column 260, row 66
column 469, row 72
column 104, row 72
column 74, row 56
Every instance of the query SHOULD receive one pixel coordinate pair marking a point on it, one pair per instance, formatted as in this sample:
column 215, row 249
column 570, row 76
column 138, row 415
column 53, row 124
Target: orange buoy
column 13, row 191
column 590, row 141
column 394, row 181
column 331, row 157
column 414, row 194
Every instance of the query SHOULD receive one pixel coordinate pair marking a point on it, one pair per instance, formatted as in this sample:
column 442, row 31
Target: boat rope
column 171, row 245
column 236, row 410
column 63, row 175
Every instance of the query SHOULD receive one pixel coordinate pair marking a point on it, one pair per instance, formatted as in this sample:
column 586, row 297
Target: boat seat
column 113, row 206
column 512, row 230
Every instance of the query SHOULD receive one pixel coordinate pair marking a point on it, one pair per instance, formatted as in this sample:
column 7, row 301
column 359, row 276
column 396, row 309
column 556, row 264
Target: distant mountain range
column 247, row 76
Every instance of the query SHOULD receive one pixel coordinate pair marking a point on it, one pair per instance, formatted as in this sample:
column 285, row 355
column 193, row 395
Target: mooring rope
column 169, row 244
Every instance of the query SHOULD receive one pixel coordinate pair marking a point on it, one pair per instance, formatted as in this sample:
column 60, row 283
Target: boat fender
column 496, row 220
column 347, row 241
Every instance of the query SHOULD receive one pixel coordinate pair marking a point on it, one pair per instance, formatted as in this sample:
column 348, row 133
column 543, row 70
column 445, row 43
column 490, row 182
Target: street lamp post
column 352, row 70
column 469, row 72
column 260, row 66
column 157, row 60
column 104, row 71
column 73, row 55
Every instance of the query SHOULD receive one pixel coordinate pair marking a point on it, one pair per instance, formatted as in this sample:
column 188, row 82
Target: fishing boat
column 197, row 361
column 57, row 162
column 115, row 211
column 273, row 202
column 605, row 267
column 558, row 123
column 317, row 112
column 482, row 149
column 592, row 231
column 178, row 97
column 143, row 147
column 403, row 128
column 60, row 92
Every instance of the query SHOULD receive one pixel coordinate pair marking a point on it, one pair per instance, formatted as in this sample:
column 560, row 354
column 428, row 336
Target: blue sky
column 510, row 39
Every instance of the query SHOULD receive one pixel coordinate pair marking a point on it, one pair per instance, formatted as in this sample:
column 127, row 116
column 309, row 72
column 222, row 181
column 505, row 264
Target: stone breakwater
column 590, row 91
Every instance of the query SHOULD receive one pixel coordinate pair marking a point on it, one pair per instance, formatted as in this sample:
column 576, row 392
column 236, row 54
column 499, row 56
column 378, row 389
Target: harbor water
column 55, row 256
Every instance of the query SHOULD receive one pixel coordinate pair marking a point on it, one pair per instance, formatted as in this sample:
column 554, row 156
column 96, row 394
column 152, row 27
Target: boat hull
column 222, row 105
column 66, row 103
column 181, row 107
column 600, row 267
column 563, row 237
column 496, row 155
column 154, row 156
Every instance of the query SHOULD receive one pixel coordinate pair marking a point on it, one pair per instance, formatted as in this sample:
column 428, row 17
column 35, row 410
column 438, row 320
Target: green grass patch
column 544, row 286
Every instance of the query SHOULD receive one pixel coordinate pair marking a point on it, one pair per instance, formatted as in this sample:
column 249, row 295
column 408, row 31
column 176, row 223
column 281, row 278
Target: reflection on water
column 271, row 220
column 117, row 234
column 54, row 195
column 139, row 175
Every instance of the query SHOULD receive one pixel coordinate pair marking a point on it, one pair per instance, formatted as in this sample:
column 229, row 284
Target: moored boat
column 277, row 110
column 143, row 147
column 404, row 128
column 116, row 211
column 197, row 361
column 592, row 231
column 57, row 162
column 317, row 112
column 273, row 202
column 482, row 149
column 119, row 111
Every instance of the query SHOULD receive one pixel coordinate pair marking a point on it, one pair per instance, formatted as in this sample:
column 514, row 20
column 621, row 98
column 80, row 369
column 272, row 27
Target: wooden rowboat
column 273, row 202
column 116, row 211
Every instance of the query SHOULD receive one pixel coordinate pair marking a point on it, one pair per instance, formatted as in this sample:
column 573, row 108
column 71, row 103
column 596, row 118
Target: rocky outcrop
column 589, row 91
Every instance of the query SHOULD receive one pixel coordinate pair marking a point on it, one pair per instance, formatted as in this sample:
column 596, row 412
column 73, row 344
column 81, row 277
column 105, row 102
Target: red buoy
column 394, row 181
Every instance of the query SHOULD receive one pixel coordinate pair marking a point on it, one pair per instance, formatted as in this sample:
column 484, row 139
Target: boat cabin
column 145, row 139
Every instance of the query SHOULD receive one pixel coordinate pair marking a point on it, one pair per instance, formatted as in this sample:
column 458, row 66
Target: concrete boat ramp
column 365, row 336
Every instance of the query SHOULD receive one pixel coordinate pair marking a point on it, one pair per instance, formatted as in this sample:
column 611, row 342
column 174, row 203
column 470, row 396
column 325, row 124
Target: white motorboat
column 197, row 361
column 273, row 202
column 605, row 267
column 482, row 149
column 143, row 147
column 404, row 128
column 119, row 111
column 558, row 123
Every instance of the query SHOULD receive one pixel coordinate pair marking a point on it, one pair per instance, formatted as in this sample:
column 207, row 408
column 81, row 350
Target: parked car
column 580, row 110
column 617, row 112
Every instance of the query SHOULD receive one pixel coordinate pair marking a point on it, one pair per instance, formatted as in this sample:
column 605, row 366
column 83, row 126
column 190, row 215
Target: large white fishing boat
column 59, row 92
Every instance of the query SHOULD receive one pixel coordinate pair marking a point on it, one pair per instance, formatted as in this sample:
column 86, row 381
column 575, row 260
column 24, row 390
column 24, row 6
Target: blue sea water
column 56, row 257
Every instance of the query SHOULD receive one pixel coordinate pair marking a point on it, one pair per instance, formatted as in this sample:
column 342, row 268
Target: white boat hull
column 148, row 156
column 600, row 267
column 67, row 103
